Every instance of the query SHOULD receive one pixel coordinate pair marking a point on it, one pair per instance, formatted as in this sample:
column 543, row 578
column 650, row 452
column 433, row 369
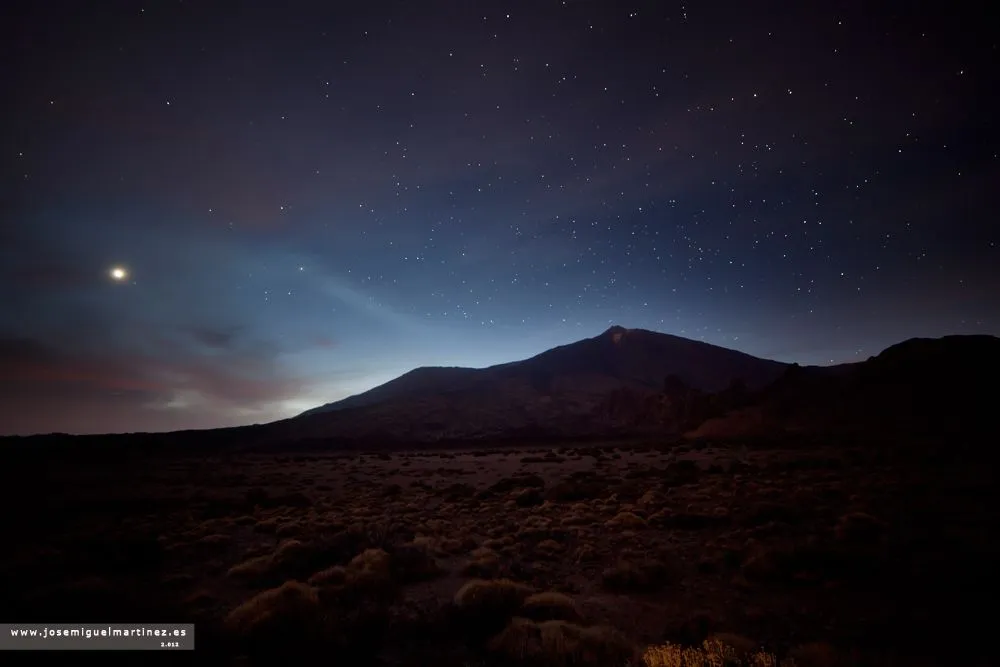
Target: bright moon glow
column 119, row 273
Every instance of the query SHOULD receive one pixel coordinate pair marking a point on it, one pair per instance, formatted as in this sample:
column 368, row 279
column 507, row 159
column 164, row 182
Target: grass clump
column 269, row 565
column 483, row 563
column 483, row 607
column 277, row 619
column 626, row 520
column 716, row 651
column 550, row 606
column 561, row 644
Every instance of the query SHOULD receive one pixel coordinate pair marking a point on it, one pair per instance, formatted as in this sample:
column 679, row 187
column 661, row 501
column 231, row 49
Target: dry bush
column 457, row 491
column 291, row 529
column 379, row 534
column 426, row 542
column 293, row 560
column 508, row 484
column 413, row 562
column 587, row 553
column 371, row 561
column 529, row 498
column 278, row 619
column 369, row 575
column 455, row 546
column 562, row 644
column 298, row 621
column 550, row 606
column 484, row 607
column 727, row 643
column 216, row 540
column 650, row 497
column 536, row 528
column 252, row 568
column 289, row 550
column 626, row 520
column 549, row 548
column 484, row 563
column 712, row 653
column 499, row 542
column 335, row 575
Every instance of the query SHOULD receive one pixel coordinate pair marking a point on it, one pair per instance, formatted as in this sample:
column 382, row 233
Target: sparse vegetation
column 561, row 644
column 713, row 652
column 577, row 561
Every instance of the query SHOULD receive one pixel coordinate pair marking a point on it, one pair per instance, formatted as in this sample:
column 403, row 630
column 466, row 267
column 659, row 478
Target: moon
column 118, row 274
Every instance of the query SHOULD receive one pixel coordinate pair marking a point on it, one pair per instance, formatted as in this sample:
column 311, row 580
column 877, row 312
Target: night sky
column 309, row 199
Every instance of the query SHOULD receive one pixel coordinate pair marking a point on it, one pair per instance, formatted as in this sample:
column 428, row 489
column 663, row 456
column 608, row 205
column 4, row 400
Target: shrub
column 484, row 607
column 369, row 574
column 712, row 653
column 278, row 619
column 252, row 568
column 550, row 606
column 413, row 562
column 562, row 644
column 330, row 576
column 485, row 564
column 626, row 520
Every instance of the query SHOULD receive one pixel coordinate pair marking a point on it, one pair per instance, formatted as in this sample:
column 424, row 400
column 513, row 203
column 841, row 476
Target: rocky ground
column 823, row 552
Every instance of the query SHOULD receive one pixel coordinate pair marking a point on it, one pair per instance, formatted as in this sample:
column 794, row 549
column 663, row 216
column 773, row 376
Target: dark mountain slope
column 924, row 387
column 594, row 366
column 610, row 384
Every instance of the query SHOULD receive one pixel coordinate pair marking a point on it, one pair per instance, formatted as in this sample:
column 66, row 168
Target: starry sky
column 306, row 199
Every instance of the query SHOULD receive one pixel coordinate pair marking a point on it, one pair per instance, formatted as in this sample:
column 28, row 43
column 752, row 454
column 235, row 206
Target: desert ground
column 795, row 550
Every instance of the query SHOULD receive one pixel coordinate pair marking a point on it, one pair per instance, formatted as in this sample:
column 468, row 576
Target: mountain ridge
column 585, row 356
column 920, row 386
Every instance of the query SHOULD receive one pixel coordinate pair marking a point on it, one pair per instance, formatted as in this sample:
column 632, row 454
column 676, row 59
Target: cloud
column 45, row 387
column 372, row 307
column 324, row 342
column 215, row 338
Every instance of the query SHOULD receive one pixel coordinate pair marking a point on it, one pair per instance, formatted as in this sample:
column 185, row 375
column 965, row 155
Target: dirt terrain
column 821, row 552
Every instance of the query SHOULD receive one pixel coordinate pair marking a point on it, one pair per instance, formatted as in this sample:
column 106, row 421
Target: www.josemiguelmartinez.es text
column 90, row 633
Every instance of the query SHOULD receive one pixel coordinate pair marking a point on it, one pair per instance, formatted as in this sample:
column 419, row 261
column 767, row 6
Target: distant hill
column 922, row 386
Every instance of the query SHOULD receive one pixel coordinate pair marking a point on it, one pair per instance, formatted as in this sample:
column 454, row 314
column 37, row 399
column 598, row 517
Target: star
column 118, row 274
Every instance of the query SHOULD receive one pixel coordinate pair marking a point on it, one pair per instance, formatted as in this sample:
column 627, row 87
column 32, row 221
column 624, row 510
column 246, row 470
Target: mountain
column 943, row 385
column 923, row 386
column 613, row 383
